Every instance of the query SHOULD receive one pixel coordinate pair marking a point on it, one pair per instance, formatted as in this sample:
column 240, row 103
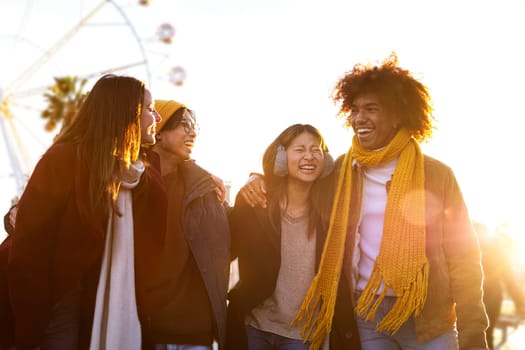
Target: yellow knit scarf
column 401, row 264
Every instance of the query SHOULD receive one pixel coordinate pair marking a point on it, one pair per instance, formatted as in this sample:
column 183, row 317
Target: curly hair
column 398, row 90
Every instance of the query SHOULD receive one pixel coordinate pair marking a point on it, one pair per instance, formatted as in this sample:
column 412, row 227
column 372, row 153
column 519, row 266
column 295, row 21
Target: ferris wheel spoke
column 23, row 25
column 14, row 161
column 30, row 131
column 27, row 93
column 112, row 70
column 136, row 35
column 41, row 89
column 30, row 63
column 28, row 73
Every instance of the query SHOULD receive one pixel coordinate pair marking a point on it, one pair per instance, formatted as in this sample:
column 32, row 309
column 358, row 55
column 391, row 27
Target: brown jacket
column 452, row 249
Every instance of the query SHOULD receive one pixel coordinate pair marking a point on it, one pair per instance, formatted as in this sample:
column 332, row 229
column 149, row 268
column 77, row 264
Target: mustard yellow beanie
column 166, row 109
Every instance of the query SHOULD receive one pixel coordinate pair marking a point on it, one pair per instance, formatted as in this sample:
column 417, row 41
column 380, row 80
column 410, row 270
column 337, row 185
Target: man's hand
column 254, row 191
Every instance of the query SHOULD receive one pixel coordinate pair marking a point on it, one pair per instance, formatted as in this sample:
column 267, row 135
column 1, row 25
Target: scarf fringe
column 401, row 240
column 316, row 330
column 366, row 307
column 410, row 302
column 318, row 324
column 322, row 293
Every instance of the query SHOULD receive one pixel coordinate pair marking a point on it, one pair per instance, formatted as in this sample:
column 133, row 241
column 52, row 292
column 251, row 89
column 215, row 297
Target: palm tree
column 64, row 99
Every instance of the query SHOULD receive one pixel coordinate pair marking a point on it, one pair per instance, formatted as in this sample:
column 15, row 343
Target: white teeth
column 307, row 167
column 362, row 131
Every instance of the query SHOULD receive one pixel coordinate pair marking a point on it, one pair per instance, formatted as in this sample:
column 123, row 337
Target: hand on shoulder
column 254, row 191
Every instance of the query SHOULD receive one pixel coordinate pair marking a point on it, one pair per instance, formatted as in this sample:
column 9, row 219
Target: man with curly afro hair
column 400, row 237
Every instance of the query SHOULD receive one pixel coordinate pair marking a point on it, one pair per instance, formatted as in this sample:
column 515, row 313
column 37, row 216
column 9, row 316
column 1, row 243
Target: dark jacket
column 205, row 224
column 258, row 248
column 6, row 316
column 57, row 245
column 207, row 232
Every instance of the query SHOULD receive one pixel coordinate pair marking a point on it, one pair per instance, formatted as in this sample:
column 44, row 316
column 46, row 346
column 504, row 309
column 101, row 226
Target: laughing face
column 371, row 122
column 178, row 142
column 305, row 158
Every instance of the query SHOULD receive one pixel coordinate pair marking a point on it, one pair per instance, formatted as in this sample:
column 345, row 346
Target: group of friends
column 122, row 241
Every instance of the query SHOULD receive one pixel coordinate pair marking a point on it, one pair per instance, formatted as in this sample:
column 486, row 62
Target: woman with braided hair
column 399, row 236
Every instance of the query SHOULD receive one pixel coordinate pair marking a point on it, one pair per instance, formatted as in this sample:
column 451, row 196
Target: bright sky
column 255, row 67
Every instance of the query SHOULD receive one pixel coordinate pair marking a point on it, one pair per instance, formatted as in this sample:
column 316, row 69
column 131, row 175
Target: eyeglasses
column 189, row 127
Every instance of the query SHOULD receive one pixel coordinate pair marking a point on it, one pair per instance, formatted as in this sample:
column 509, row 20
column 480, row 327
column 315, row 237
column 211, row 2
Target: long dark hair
column 107, row 130
column 276, row 185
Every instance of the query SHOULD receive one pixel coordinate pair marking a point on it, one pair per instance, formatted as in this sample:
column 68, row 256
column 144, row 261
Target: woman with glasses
column 193, row 283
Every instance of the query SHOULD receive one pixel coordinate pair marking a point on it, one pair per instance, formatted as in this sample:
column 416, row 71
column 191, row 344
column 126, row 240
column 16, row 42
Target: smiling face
column 305, row 158
column 374, row 126
column 177, row 143
column 148, row 120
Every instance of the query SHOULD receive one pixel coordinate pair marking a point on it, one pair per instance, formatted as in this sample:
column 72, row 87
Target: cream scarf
column 401, row 264
column 116, row 324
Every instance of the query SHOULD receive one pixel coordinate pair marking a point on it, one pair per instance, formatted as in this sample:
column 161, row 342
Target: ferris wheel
column 41, row 40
